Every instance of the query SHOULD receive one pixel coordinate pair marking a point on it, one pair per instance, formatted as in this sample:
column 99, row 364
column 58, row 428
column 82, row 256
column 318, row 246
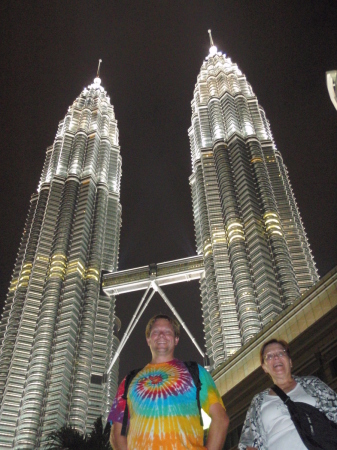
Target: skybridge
column 171, row 272
column 151, row 279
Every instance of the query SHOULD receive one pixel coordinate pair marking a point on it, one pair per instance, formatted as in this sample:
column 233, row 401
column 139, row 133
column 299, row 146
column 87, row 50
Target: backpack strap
column 193, row 369
column 130, row 376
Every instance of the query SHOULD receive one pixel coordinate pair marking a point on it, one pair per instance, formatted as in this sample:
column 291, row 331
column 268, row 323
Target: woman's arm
column 251, row 435
column 325, row 396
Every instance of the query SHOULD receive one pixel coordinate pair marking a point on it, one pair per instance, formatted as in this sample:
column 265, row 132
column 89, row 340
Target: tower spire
column 210, row 38
column 97, row 80
column 98, row 68
column 213, row 50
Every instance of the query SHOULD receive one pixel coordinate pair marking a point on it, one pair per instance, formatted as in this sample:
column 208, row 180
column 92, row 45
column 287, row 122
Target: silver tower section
column 57, row 327
column 248, row 228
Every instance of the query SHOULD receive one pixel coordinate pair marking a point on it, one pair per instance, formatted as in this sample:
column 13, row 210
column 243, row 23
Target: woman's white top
column 280, row 429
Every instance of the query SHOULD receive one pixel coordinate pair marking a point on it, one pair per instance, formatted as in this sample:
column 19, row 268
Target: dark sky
column 152, row 52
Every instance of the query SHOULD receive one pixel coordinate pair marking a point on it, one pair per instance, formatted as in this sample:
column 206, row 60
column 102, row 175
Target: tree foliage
column 99, row 437
column 68, row 438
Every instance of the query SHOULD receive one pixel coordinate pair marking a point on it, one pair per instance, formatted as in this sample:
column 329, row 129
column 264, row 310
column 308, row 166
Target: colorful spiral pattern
column 163, row 408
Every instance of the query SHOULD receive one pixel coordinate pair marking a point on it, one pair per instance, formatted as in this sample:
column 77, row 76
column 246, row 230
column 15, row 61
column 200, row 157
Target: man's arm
column 117, row 441
column 218, row 428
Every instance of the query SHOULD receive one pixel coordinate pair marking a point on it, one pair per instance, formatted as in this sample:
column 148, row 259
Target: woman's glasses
column 279, row 354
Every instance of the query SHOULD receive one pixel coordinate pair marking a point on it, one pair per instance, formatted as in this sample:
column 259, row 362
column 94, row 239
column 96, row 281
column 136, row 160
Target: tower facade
column 248, row 228
column 56, row 331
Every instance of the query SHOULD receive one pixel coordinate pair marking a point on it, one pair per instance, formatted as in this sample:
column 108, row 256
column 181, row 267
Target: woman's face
column 276, row 361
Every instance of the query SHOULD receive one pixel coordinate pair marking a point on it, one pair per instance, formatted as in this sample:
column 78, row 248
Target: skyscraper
column 57, row 327
column 248, row 228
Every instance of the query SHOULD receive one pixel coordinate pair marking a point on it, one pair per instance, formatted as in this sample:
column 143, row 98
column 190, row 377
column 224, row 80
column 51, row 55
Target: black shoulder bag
column 314, row 428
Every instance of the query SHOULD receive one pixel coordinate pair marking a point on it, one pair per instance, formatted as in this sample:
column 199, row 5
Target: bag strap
column 130, row 376
column 278, row 391
column 193, row 369
column 297, row 415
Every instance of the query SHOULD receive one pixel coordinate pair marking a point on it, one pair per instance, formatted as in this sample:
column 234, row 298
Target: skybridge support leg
column 169, row 304
column 131, row 326
column 138, row 313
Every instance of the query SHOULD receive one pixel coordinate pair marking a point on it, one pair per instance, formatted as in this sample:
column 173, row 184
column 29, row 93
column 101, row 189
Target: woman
column 268, row 424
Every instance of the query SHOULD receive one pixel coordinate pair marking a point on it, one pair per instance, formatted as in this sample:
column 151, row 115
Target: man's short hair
column 174, row 322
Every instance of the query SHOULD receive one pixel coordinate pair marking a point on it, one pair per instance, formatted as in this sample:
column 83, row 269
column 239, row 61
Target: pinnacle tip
column 99, row 65
column 210, row 38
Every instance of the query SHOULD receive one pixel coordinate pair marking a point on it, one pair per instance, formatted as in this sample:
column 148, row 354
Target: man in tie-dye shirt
column 163, row 410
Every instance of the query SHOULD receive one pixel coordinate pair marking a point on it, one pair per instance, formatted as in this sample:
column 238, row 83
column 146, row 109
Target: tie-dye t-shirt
column 163, row 407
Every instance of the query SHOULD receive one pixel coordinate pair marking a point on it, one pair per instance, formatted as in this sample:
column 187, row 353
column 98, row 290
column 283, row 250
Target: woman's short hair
column 174, row 322
column 274, row 341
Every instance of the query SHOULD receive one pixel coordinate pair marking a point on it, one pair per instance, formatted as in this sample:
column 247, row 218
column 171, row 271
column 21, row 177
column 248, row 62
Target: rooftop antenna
column 99, row 66
column 213, row 50
column 210, row 38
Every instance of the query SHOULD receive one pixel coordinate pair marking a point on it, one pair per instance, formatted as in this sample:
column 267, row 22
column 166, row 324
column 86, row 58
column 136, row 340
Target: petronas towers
column 248, row 228
column 57, row 329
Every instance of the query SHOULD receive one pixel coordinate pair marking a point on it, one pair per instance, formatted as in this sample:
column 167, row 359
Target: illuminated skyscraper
column 248, row 228
column 57, row 327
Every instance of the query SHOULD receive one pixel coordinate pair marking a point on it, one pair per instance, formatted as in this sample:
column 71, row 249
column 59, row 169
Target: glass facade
column 57, row 329
column 248, row 228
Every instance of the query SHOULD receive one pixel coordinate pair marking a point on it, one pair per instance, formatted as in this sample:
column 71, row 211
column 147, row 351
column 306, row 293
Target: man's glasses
column 279, row 354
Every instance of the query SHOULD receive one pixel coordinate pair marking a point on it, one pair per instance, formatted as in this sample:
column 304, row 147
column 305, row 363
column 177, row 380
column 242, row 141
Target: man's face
column 162, row 340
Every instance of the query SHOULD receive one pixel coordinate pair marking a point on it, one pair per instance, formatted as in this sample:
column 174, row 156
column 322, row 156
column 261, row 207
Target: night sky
column 152, row 52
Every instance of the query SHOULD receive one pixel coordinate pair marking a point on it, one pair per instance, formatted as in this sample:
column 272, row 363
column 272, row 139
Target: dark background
column 152, row 52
